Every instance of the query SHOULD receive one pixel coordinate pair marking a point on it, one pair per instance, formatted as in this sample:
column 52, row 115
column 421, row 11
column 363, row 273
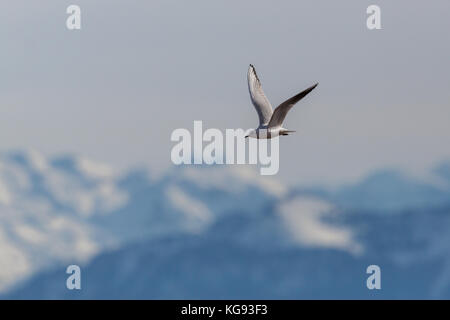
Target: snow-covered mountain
column 69, row 209
column 216, row 232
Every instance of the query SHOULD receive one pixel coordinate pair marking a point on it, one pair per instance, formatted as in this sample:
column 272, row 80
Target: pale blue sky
column 137, row 70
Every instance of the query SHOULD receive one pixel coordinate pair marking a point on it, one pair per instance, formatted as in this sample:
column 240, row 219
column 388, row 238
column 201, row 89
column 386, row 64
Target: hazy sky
column 116, row 89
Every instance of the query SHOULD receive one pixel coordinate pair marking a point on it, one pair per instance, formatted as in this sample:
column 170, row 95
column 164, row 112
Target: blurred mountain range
column 217, row 232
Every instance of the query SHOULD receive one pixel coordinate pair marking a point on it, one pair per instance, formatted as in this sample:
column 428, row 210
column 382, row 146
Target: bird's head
column 251, row 133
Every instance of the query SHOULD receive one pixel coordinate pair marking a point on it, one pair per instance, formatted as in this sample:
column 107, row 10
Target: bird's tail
column 286, row 132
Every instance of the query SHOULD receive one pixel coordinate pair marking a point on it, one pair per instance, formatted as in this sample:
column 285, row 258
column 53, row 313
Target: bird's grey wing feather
column 259, row 99
column 280, row 112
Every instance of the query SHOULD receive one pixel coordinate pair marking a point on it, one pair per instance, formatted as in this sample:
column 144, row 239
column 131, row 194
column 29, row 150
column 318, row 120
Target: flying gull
column 270, row 122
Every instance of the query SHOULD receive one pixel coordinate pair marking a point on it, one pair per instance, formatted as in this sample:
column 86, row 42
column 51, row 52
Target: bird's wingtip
column 313, row 86
column 252, row 71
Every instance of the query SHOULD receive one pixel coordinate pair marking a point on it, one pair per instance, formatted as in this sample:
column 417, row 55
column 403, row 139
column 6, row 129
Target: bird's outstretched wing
column 259, row 99
column 280, row 112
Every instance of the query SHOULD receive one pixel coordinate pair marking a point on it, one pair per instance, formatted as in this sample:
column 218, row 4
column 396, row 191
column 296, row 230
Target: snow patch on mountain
column 305, row 219
column 5, row 196
column 198, row 214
